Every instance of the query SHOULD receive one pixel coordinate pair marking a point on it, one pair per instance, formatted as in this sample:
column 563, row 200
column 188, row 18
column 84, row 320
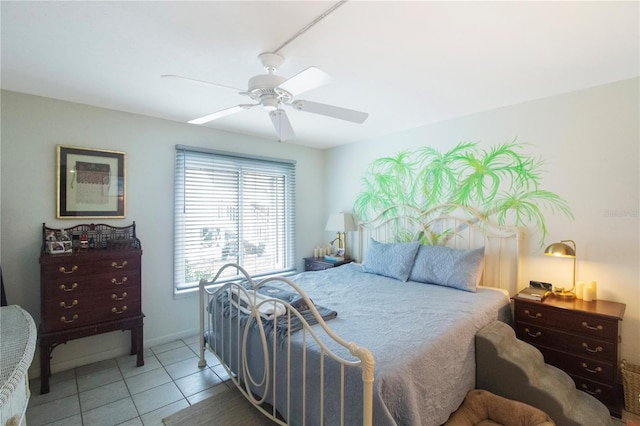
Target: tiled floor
column 116, row 392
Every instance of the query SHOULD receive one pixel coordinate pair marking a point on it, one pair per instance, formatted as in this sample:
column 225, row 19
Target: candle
column 594, row 286
column 579, row 290
column 589, row 293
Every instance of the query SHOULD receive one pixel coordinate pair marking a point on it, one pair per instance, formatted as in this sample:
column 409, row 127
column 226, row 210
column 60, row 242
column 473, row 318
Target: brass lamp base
column 565, row 294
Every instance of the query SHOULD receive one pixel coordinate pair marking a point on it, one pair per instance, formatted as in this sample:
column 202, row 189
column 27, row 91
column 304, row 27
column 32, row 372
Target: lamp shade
column 340, row 222
column 564, row 250
column 560, row 249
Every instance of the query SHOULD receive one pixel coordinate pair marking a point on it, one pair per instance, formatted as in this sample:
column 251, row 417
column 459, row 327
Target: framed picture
column 90, row 183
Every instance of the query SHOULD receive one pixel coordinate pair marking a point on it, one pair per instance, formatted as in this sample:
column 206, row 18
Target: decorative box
column 57, row 247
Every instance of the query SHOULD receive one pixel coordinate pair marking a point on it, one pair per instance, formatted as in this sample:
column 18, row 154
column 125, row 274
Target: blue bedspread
column 421, row 336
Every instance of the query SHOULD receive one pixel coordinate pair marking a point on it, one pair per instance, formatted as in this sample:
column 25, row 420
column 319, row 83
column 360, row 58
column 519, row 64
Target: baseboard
column 68, row 364
column 171, row 337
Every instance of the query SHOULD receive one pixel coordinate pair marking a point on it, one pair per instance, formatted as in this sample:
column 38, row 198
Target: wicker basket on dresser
column 90, row 290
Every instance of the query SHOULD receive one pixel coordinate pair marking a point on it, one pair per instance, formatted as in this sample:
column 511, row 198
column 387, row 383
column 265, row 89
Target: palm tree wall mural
column 498, row 185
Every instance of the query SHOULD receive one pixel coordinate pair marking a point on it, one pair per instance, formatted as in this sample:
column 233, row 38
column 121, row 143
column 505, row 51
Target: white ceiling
column 405, row 63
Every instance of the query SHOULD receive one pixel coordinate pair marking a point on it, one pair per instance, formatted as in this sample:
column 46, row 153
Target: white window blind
column 231, row 208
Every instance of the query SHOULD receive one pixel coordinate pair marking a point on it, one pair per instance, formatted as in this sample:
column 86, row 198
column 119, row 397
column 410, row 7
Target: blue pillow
column 448, row 267
column 393, row 260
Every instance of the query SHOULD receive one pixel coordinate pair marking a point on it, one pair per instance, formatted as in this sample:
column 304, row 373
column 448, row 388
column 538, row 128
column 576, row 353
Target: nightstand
column 581, row 338
column 319, row 264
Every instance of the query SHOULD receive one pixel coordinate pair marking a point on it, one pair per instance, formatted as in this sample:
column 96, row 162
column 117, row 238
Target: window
column 231, row 208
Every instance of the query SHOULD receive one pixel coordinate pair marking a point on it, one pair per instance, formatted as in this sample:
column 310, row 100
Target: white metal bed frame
column 458, row 231
column 363, row 358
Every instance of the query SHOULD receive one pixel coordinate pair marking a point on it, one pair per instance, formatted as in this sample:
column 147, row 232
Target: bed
column 370, row 342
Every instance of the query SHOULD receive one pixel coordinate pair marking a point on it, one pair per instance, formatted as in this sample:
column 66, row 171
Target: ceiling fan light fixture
column 270, row 103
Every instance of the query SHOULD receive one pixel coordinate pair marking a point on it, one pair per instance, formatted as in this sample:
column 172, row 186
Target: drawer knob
column 528, row 313
column 595, row 370
column 64, row 269
column 64, row 304
column 116, row 282
column 64, row 287
column 116, row 311
column 115, row 265
column 536, row 334
column 597, row 349
column 587, row 390
column 115, row 297
column 65, row 320
column 586, row 325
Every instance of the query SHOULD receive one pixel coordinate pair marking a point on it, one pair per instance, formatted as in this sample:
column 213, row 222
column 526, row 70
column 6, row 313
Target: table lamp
column 562, row 249
column 340, row 223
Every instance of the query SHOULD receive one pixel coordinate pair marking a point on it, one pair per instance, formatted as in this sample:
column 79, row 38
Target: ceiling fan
column 274, row 91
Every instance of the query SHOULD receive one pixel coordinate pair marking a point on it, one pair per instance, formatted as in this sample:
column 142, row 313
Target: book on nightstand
column 333, row 258
column 534, row 293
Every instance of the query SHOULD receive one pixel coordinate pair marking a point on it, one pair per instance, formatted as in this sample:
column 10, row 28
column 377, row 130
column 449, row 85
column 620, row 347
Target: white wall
column 31, row 128
column 589, row 141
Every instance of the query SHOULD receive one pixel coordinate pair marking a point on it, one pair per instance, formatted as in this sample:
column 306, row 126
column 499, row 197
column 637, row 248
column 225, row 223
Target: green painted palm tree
column 500, row 184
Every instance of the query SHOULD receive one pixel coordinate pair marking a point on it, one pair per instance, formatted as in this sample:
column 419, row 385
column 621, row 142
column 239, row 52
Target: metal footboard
column 298, row 376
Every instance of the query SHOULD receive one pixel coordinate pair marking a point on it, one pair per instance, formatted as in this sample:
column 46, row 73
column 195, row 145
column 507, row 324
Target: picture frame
column 90, row 183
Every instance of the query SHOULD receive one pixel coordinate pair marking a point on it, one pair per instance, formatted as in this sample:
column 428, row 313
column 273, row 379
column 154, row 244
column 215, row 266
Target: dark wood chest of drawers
column 581, row 338
column 86, row 288
column 86, row 292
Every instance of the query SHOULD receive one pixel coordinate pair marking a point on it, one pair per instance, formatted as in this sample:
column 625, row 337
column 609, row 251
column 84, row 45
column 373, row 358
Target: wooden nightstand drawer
column 94, row 300
column 65, row 267
column 319, row 264
column 603, row 392
column 89, row 263
column 88, row 285
column 597, row 370
column 576, row 344
column 316, row 266
column 567, row 320
column 83, row 315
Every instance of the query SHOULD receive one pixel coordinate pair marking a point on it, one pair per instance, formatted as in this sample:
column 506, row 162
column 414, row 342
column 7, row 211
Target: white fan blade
column 331, row 111
column 305, row 80
column 282, row 125
column 208, row 83
column 220, row 114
